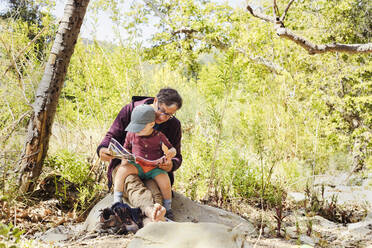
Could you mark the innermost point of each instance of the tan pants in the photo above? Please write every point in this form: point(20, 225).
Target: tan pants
point(140, 194)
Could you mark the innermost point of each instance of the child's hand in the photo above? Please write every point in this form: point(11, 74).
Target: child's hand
point(171, 153)
point(167, 165)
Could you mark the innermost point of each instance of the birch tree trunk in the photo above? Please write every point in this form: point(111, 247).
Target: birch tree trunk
point(47, 95)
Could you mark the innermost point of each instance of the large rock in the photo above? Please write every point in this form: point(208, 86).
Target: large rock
point(350, 190)
point(362, 228)
point(185, 210)
point(186, 235)
point(92, 220)
point(297, 197)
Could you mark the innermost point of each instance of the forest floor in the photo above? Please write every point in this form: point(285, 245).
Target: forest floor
point(343, 219)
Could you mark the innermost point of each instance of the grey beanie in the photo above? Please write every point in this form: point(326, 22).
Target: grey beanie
point(141, 116)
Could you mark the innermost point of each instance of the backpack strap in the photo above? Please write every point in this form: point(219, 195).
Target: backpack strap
point(139, 98)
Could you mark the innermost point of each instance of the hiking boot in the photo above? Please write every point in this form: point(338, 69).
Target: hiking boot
point(169, 214)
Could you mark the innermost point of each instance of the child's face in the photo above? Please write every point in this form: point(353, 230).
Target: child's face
point(147, 130)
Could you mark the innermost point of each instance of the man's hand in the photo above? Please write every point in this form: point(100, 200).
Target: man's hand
point(167, 165)
point(105, 154)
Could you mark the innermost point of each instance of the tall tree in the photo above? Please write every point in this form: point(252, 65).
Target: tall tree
point(47, 95)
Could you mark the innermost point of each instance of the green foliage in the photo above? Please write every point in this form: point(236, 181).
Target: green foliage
point(24, 10)
point(352, 19)
point(22, 60)
point(9, 235)
point(186, 30)
point(71, 166)
point(247, 180)
point(98, 89)
point(33, 19)
point(77, 185)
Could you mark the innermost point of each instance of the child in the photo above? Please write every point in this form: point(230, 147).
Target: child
point(144, 141)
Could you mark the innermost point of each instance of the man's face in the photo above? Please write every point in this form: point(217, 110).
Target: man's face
point(163, 112)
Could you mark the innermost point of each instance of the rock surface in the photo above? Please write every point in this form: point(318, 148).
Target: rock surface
point(185, 210)
point(185, 235)
point(91, 222)
point(349, 189)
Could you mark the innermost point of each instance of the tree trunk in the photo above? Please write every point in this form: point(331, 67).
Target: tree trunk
point(47, 95)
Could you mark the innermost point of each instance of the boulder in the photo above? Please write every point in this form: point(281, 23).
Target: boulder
point(92, 221)
point(362, 228)
point(58, 235)
point(185, 235)
point(308, 240)
point(297, 197)
point(185, 210)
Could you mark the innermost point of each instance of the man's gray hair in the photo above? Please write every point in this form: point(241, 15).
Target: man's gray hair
point(169, 96)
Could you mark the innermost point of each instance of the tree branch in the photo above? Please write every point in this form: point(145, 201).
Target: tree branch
point(282, 18)
point(309, 46)
point(260, 15)
point(186, 31)
point(276, 11)
point(196, 34)
point(316, 49)
point(262, 61)
point(155, 8)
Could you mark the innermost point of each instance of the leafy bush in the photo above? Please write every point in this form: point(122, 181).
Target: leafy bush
point(9, 236)
point(76, 186)
point(70, 166)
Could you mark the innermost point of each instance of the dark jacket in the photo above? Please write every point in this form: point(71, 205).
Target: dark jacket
point(171, 129)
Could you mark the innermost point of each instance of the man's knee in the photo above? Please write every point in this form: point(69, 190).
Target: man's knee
point(137, 190)
point(133, 182)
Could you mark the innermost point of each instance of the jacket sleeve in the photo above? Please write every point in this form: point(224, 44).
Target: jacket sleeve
point(176, 142)
point(117, 129)
point(165, 140)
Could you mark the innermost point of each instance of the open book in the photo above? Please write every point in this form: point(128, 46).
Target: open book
point(118, 151)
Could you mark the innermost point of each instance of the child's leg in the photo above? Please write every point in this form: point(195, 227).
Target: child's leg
point(164, 184)
point(124, 169)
